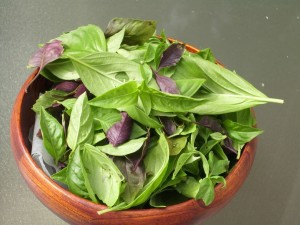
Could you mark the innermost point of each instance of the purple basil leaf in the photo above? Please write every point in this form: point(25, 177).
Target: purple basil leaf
point(120, 131)
point(212, 124)
point(79, 90)
point(48, 53)
point(67, 86)
point(166, 84)
point(171, 55)
point(169, 125)
point(228, 145)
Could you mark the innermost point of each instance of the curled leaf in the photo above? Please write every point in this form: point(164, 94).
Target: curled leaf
point(46, 54)
point(80, 90)
point(120, 131)
point(171, 55)
point(67, 86)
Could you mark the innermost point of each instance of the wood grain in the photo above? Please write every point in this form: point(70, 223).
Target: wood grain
point(76, 210)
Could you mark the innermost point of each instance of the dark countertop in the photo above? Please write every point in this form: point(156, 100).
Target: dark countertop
point(259, 40)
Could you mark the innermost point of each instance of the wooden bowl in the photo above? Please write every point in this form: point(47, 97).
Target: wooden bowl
point(76, 210)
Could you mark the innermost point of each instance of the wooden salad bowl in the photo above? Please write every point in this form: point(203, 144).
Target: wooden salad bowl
point(76, 210)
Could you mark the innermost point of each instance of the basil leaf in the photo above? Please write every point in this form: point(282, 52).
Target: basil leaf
point(137, 131)
point(217, 166)
point(176, 144)
point(47, 99)
point(120, 131)
point(207, 55)
point(189, 187)
point(49, 52)
point(165, 102)
point(206, 191)
point(240, 132)
point(61, 176)
point(81, 127)
point(75, 175)
point(87, 38)
point(139, 115)
point(124, 95)
point(135, 178)
point(103, 175)
point(53, 136)
point(99, 136)
point(114, 41)
point(126, 148)
point(166, 84)
point(105, 118)
point(188, 87)
point(98, 71)
point(171, 55)
point(136, 31)
point(63, 69)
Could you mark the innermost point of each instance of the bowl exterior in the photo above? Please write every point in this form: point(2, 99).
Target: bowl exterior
point(76, 210)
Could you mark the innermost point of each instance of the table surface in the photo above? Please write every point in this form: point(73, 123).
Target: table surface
point(258, 39)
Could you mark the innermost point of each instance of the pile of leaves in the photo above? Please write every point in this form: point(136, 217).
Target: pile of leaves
point(135, 120)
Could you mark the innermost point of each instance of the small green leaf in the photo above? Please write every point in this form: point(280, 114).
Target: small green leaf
point(121, 96)
point(61, 176)
point(114, 41)
point(239, 132)
point(176, 144)
point(53, 136)
point(103, 175)
point(81, 126)
point(47, 99)
point(206, 191)
point(127, 148)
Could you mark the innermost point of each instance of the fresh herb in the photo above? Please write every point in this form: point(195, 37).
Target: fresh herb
point(135, 117)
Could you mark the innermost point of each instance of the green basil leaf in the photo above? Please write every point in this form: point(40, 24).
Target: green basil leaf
point(205, 164)
point(98, 70)
point(189, 187)
point(121, 96)
point(176, 144)
point(240, 132)
point(181, 161)
point(105, 178)
point(188, 87)
point(99, 136)
point(206, 191)
point(137, 131)
point(217, 166)
point(81, 127)
point(88, 38)
point(114, 41)
point(127, 148)
point(62, 69)
point(105, 118)
point(136, 31)
point(53, 136)
point(139, 115)
point(75, 175)
point(61, 176)
point(207, 55)
point(47, 99)
point(165, 102)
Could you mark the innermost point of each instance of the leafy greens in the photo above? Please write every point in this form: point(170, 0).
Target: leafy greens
point(133, 117)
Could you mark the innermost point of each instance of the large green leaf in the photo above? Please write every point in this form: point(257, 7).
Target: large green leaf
point(53, 136)
point(98, 70)
point(80, 130)
point(105, 178)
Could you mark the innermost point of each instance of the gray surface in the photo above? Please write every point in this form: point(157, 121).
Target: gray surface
point(259, 40)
